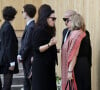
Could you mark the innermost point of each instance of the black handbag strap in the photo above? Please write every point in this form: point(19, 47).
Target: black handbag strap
point(70, 85)
point(66, 85)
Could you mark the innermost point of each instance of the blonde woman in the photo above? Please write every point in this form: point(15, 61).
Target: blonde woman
point(76, 56)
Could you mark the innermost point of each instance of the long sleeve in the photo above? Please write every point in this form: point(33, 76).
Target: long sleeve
point(26, 46)
point(40, 37)
point(10, 44)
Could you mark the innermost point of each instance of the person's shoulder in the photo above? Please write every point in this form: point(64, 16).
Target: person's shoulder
point(6, 26)
point(38, 34)
point(37, 30)
point(86, 39)
point(65, 30)
point(32, 24)
point(87, 33)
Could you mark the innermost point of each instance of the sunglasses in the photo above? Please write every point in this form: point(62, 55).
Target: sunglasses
point(22, 11)
point(66, 19)
point(53, 18)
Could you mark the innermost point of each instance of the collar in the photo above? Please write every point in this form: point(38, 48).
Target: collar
point(28, 22)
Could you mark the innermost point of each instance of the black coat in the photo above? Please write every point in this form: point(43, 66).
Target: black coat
point(86, 41)
point(8, 48)
point(64, 34)
point(84, 62)
point(26, 51)
point(43, 67)
point(83, 65)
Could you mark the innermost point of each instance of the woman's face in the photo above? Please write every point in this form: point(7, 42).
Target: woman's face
point(69, 23)
point(51, 20)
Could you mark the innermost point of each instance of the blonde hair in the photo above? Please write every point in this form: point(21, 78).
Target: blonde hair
point(77, 22)
point(71, 12)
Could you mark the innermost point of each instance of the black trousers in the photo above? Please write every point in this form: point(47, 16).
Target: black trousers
point(27, 83)
point(83, 74)
point(7, 82)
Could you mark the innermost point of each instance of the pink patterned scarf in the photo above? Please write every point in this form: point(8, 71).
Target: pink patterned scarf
point(69, 51)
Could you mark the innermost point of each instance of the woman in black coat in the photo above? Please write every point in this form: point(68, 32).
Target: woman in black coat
point(8, 48)
point(45, 52)
point(76, 55)
point(83, 66)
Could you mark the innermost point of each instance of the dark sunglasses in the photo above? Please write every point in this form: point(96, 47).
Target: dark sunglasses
point(22, 11)
point(53, 18)
point(66, 19)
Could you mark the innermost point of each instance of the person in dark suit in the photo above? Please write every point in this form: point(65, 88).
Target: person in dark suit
point(25, 53)
point(8, 48)
point(44, 50)
point(66, 31)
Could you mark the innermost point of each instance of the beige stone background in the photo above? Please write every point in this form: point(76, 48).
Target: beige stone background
point(89, 9)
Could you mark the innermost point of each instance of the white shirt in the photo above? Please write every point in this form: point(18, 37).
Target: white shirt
point(66, 36)
point(28, 22)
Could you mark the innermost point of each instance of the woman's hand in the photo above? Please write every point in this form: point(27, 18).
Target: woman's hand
point(69, 76)
point(32, 59)
point(30, 75)
point(11, 68)
point(45, 47)
point(53, 41)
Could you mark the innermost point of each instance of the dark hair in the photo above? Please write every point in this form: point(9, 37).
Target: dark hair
point(44, 12)
point(30, 10)
point(9, 13)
